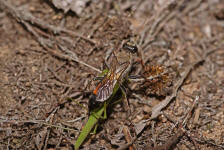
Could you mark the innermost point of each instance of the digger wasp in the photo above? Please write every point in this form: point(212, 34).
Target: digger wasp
point(115, 76)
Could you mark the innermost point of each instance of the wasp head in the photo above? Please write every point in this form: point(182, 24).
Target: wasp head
point(130, 46)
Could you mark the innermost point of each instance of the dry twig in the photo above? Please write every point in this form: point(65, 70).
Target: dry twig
point(180, 132)
point(128, 137)
point(24, 16)
point(27, 17)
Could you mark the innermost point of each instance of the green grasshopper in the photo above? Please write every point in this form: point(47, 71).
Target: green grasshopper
point(105, 93)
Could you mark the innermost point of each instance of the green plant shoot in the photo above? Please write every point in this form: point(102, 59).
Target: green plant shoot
point(94, 118)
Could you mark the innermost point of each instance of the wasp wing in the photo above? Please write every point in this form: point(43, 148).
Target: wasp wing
point(105, 90)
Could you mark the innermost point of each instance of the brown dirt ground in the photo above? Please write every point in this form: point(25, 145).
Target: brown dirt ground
point(37, 78)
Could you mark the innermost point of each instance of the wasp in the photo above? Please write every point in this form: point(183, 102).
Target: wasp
point(115, 76)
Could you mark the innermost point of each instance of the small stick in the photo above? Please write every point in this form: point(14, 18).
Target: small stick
point(180, 132)
point(24, 16)
point(63, 56)
point(128, 137)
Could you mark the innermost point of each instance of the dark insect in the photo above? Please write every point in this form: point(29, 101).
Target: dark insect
point(118, 67)
point(105, 88)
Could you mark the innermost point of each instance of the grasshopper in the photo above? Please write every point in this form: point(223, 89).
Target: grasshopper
point(106, 90)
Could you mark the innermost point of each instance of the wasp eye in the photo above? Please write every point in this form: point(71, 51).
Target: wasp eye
point(130, 47)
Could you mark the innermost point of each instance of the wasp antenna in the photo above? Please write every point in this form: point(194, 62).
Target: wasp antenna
point(105, 65)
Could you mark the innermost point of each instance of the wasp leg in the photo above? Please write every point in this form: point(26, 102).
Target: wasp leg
point(88, 85)
point(94, 79)
point(105, 65)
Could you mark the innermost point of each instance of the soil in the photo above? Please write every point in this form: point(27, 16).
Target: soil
point(48, 57)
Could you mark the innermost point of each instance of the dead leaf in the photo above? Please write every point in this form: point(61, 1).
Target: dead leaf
point(39, 140)
point(140, 126)
point(76, 6)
